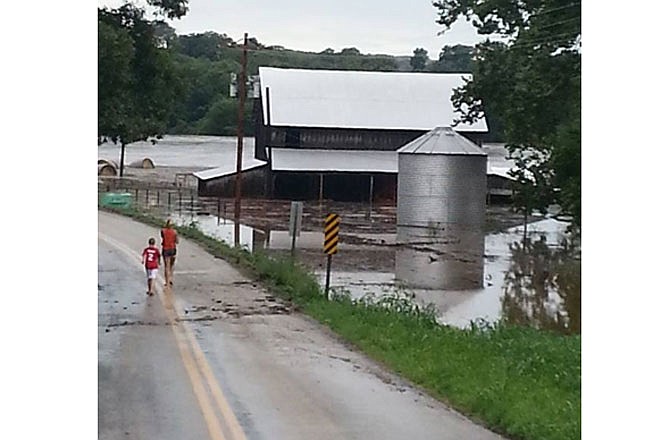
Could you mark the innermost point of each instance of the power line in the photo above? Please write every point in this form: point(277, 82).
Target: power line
point(560, 8)
point(549, 39)
point(559, 23)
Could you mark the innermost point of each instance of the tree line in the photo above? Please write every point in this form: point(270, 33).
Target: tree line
point(204, 62)
point(152, 81)
point(192, 96)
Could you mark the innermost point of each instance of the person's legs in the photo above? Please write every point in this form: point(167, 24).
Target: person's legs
point(151, 276)
point(169, 256)
point(149, 282)
point(172, 260)
point(167, 271)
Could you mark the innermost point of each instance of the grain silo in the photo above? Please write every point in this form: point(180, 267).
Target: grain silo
point(441, 212)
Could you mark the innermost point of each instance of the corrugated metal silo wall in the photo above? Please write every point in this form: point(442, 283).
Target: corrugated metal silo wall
point(437, 189)
point(441, 214)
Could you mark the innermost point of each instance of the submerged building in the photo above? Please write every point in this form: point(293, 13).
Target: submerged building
point(334, 134)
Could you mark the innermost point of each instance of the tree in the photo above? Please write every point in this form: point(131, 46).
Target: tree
point(221, 118)
point(454, 59)
point(419, 59)
point(254, 44)
point(115, 52)
point(164, 34)
point(350, 51)
point(170, 8)
point(136, 81)
point(208, 45)
point(532, 83)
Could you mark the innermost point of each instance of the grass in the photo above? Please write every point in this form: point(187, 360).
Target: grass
point(521, 382)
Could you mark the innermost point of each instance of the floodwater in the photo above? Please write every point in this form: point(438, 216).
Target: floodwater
point(539, 286)
point(181, 151)
point(467, 278)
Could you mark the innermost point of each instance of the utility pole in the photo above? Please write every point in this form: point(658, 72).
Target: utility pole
point(242, 92)
point(123, 157)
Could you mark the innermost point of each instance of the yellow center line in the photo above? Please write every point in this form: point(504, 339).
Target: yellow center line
point(229, 417)
point(193, 359)
point(212, 421)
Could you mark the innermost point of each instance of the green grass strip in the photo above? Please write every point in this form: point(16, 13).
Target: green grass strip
point(521, 382)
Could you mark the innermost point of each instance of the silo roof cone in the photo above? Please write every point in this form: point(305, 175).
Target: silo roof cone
point(442, 140)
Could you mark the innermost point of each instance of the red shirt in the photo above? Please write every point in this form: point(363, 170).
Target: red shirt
point(169, 237)
point(150, 255)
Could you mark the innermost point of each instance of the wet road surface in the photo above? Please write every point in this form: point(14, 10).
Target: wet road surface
point(143, 388)
point(218, 357)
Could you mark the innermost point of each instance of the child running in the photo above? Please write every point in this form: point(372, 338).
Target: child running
point(151, 258)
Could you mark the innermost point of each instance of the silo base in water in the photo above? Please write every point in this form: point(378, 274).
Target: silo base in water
point(447, 258)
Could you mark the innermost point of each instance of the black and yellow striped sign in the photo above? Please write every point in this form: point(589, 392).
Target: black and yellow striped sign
point(331, 231)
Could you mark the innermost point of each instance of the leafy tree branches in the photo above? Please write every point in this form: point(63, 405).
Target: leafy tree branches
point(531, 81)
point(137, 85)
point(419, 59)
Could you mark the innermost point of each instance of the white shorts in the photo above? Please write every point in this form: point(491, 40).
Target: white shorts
point(152, 274)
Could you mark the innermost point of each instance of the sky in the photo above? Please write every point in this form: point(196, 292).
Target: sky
point(393, 27)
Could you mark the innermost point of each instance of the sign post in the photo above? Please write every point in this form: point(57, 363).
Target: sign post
point(295, 222)
point(331, 230)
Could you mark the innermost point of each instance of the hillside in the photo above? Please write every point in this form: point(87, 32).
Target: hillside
point(204, 63)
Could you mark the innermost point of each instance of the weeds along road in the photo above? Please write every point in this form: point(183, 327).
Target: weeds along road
point(217, 357)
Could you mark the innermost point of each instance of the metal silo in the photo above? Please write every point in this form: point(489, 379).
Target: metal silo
point(441, 212)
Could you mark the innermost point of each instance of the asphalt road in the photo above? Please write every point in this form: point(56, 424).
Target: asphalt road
point(217, 357)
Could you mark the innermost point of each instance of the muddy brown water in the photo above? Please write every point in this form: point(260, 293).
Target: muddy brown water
point(538, 286)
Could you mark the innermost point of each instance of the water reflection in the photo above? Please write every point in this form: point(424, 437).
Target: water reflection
point(538, 287)
point(542, 287)
point(445, 258)
point(507, 285)
point(223, 229)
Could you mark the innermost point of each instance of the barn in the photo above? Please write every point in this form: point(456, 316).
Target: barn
point(334, 134)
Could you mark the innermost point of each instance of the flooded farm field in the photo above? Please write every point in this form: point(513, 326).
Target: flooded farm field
point(539, 285)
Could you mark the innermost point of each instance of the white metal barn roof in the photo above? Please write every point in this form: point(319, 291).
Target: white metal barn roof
point(358, 99)
point(288, 159)
point(228, 169)
point(304, 160)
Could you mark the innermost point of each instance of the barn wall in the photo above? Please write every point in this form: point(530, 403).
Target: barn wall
point(495, 182)
point(345, 187)
point(337, 138)
point(344, 139)
point(253, 182)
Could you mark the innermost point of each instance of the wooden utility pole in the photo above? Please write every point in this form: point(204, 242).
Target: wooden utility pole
point(242, 92)
point(123, 158)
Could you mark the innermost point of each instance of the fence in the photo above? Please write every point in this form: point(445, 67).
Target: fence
point(168, 199)
point(165, 200)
